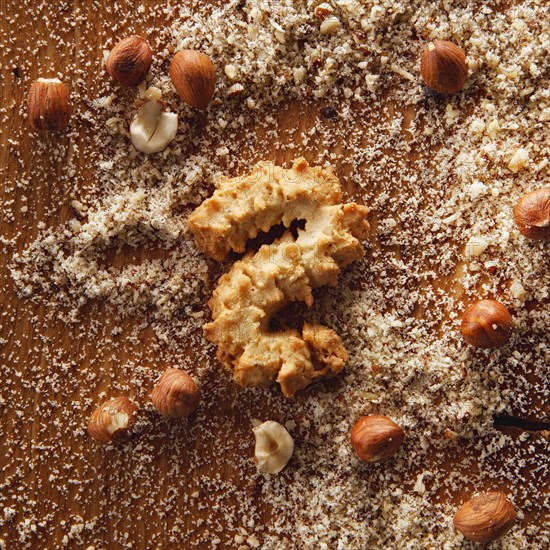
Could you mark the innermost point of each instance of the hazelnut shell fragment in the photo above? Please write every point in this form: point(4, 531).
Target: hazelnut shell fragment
point(175, 395)
point(487, 324)
point(443, 67)
point(376, 438)
point(485, 517)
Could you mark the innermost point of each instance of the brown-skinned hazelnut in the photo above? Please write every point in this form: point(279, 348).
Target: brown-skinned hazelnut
point(485, 517)
point(175, 395)
point(194, 77)
point(376, 438)
point(129, 61)
point(113, 420)
point(443, 67)
point(532, 214)
point(487, 324)
point(48, 105)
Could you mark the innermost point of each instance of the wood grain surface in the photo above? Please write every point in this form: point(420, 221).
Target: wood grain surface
point(77, 481)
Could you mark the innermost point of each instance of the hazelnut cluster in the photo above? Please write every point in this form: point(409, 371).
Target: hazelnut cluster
point(153, 128)
point(484, 518)
point(486, 323)
point(176, 395)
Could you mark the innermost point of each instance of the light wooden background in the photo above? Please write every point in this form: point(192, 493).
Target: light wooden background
point(115, 488)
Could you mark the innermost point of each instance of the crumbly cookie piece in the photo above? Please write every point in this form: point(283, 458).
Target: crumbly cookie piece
point(260, 284)
point(242, 207)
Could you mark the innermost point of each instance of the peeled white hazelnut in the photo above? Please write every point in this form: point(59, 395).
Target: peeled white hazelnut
point(274, 447)
point(153, 129)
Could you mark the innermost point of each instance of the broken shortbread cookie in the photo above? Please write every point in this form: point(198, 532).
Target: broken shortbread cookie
point(262, 283)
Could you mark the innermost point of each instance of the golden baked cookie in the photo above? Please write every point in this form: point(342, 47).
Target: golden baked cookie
point(263, 282)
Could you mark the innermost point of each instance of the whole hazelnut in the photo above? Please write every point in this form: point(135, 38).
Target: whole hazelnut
point(487, 324)
point(194, 77)
point(153, 128)
point(113, 420)
point(443, 67)
point(129, 61)
point(274, 447)
point(376, 438)
point(48, 105)
point(532, 214)
point(175, 395)
point(485, 517)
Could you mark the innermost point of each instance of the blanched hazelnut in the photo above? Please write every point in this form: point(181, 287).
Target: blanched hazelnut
point(274, 447)
point(153, 128)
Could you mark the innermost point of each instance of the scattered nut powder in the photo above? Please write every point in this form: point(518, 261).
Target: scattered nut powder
point(112, 289)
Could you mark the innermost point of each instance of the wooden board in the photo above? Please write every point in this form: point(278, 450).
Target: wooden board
point(124, 495)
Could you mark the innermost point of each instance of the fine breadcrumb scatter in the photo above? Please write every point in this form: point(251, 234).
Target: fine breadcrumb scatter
point(104, 287)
